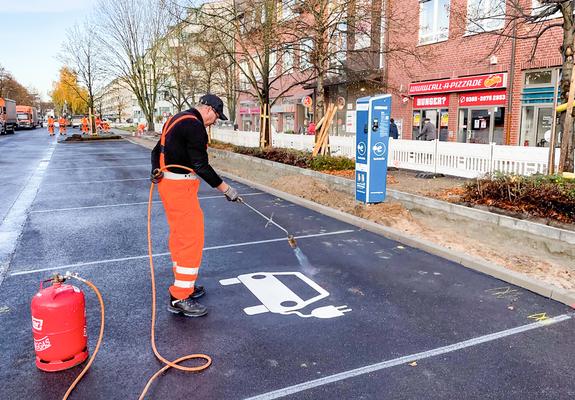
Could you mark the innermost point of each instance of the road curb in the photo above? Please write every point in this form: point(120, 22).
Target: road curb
point(477, 264)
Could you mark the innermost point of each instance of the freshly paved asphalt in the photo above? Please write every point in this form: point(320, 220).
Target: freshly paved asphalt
point(402, 300)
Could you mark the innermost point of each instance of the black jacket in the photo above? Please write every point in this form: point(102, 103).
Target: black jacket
point(187, 145)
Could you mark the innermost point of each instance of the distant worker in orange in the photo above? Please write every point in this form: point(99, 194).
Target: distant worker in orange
point(98, 124)
point(62, 125)
point(106, 126)
point(51, 125)
point(85, 125)
point(141, 128)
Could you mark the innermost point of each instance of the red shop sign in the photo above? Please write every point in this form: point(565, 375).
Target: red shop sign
point(478, 82)
point(431, 101)
point(483, 98)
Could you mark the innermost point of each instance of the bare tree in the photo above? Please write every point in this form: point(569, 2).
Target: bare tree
point(82, 54)
point(255, 38)
point(518, 20)
point(132, 31)
point(180, 82)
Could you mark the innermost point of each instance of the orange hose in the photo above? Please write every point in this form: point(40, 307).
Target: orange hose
point(95, 289)
point(169, 364)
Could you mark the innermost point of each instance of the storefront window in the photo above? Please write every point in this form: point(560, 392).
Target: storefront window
point(537, 96)
point(481, 125)
point(439, 118)
point(498, 125)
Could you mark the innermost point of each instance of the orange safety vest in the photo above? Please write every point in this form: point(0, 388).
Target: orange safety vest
point(50, 121)
point(165, 130)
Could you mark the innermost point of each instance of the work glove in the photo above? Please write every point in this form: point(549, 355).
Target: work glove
point(156, 176)
point(232, 194)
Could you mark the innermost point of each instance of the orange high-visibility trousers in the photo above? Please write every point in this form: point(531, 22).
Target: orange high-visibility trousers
point(186, 241)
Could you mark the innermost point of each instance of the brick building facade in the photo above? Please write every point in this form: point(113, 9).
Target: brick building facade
point(470, 92)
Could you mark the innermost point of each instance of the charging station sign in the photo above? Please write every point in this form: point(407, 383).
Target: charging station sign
point(372, 141)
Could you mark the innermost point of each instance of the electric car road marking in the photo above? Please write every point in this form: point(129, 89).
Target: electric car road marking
point(277, 298)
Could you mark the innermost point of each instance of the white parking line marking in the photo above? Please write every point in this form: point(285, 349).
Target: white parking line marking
point(225, 246)
point(101, 167)
point(90, 182)
point(276, 394)
point(80, 159)
point(156, 201)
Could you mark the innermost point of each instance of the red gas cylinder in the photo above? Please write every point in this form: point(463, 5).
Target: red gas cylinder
point(59, 327)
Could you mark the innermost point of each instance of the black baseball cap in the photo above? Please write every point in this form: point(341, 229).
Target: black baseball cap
point(216, 103)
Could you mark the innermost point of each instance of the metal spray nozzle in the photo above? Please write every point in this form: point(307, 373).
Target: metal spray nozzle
point(292, 242)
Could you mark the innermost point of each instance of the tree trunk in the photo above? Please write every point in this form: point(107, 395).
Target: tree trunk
point(566, 157)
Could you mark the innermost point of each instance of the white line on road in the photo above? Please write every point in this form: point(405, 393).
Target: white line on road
point(90, 182)
point(225, 246)
point(101, 167)
point(133, 204)
point(12, 225)
point(83, 159)
point(276, 394)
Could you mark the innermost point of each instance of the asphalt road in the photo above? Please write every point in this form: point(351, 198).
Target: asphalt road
point(414, 326)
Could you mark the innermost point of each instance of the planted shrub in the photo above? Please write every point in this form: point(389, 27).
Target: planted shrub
point(323, 163)
point(538, 195)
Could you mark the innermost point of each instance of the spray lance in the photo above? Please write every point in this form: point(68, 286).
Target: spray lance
point(290, 237)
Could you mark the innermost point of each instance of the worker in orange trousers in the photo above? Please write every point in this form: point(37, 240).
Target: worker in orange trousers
point(51, 125)
point(62, 125)
point(184, 142)
point(85, 125)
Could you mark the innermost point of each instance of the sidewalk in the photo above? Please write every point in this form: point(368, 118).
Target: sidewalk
point(534, 258)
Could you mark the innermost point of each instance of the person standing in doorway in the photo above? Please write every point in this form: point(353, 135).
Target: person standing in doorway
point(428, 131)
point(184, 142)
point(393, 132)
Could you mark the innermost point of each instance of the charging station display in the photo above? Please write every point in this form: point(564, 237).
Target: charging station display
point(371, 152)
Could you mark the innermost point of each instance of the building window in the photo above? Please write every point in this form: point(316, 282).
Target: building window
point(485, 15)
point(542, 77)
point(244, 81)
point(433, 21)
point(288, 60)
point(305, 51)
point(287, 9)
point(363, 25)
point(543, 10)
point(273, 63)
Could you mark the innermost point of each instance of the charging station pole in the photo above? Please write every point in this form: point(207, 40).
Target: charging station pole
point(371, 151)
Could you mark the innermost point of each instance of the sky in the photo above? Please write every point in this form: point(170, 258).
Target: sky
point(32, 35)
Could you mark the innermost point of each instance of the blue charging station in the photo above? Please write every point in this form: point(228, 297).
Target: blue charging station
point(372, 140)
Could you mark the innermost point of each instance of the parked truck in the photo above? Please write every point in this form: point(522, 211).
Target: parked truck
point(8, 118)
point(27, 117)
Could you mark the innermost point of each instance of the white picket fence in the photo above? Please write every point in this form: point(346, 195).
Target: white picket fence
point(465, 160)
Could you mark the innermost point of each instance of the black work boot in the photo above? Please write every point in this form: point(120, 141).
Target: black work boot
point(189, 307)
point(199, 291)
